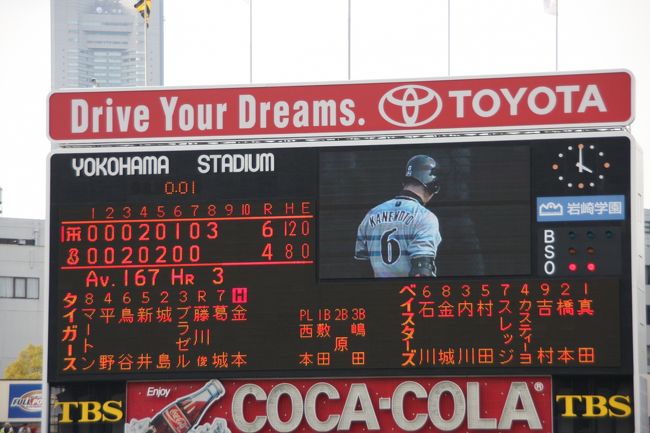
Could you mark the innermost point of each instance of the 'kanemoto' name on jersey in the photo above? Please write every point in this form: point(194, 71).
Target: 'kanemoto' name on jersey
point(395, 232)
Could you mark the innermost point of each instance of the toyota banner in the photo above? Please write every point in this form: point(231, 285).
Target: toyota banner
point(339, 109)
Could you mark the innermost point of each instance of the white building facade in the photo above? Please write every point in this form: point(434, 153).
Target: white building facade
point(646, 220)
point(22, 300)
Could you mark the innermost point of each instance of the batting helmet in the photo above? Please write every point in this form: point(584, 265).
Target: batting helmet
point(423, 169)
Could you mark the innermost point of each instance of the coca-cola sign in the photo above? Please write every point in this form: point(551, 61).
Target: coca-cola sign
point(346, 405)
point(351, 108)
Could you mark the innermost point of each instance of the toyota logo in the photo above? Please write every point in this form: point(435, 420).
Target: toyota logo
point(410, 105)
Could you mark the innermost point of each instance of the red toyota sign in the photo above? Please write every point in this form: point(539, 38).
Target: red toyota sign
point(593, 99)
point(462, 405)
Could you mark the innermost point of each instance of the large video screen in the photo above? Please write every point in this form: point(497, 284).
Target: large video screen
point(481, 211)
point(353, 258)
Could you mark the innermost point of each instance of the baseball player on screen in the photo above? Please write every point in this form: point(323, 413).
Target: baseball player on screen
point(400, 237)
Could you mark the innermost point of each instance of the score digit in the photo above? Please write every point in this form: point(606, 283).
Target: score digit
point(267, 230)
point(182, 187)
point(218, 274)
point(268, 252)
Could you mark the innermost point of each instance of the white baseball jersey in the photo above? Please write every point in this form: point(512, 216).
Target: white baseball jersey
point(395, 232)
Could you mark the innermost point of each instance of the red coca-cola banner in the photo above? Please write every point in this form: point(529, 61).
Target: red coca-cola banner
point(481, 404)
point(397, 107)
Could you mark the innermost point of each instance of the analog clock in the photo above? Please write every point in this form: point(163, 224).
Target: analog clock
point(581, 166)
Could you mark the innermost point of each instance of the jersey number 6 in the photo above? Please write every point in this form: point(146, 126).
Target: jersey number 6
point(390, 250)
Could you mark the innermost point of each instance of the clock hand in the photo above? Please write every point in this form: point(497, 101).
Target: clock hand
point(579, 164)
point(582, 167)
point(580, 146)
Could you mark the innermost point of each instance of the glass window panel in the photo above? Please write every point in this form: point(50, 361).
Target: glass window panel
point(401, 40)
point(6, 287)
point(32, 288)
point(299, 41)
point(20, 287)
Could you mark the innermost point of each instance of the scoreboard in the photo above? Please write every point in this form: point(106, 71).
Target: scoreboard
point(181, 262)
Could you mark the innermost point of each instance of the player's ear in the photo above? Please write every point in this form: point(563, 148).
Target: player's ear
point(434, 188)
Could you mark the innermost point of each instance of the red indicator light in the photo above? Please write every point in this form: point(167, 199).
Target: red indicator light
point(591, 267)
point(573, 267)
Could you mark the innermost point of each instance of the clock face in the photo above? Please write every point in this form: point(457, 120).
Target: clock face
point(581, 166)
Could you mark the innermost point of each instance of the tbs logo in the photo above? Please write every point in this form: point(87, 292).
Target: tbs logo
point(410, 105)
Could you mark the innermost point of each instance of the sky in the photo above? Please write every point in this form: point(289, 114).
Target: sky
point(210, 43)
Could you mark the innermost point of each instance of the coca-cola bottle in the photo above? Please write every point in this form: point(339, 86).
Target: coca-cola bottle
point(186, 412)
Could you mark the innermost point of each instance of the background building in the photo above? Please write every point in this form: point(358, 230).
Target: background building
point(102, 43)
point(22, 271)
point(646, 227)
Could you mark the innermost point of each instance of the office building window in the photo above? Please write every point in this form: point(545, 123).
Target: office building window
point(6, 287)
point(11, 241)
point(32, 288)
point(19, 287)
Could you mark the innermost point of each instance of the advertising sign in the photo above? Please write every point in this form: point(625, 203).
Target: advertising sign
point(179, 262)
point(351, 108)
point(87, 406)
point(603, 403)
point(462, 405)
point(25, 401)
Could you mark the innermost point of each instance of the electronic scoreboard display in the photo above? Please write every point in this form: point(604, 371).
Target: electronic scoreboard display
point(283, 259)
